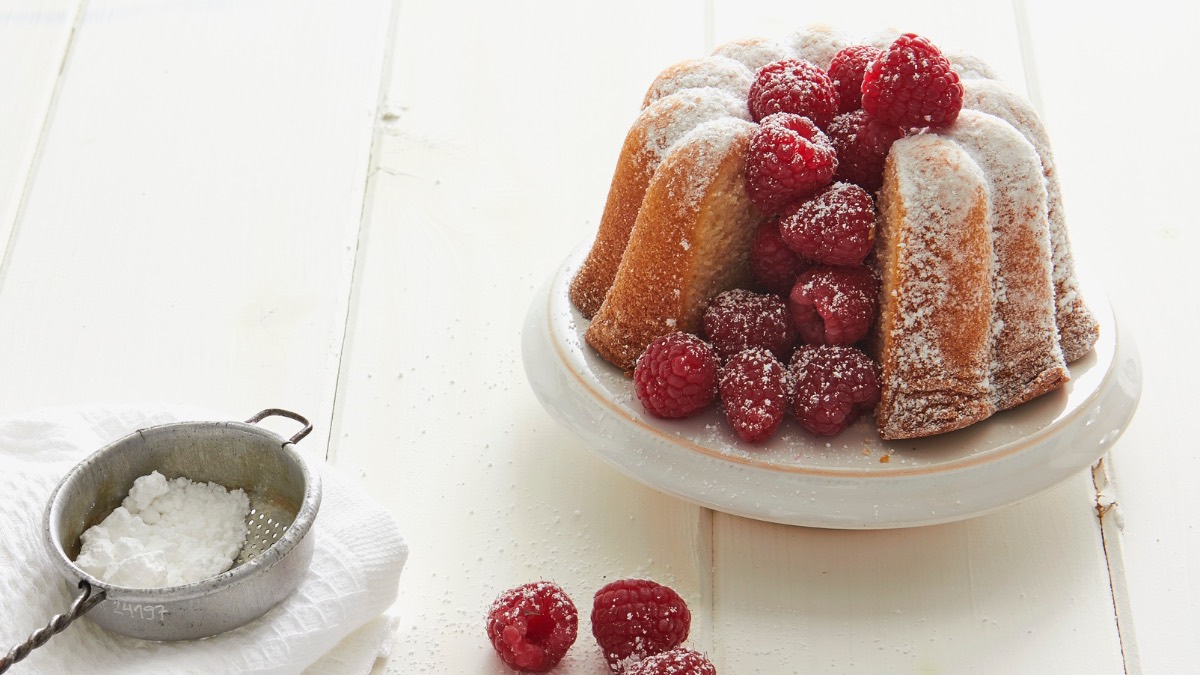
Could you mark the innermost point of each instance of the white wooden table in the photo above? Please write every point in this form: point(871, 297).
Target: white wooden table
point(345, 209)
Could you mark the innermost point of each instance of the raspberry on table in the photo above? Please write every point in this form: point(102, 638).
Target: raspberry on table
point(834, 385)
point(633, 619)
point(793, 86)
point(912, 85)
point(834, 305)
point(740, 319)
point(532, 626)
point(678, 661)
point(862, 145)
point(836, 226)
point(676, 376)
point(773, 265)
point(755, 393)
point(789, 158)
point(846, 72)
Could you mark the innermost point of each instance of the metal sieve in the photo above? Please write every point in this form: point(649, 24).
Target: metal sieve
point(284, 492)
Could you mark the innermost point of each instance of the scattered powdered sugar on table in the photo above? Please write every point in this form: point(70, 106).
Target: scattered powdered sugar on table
point(167, 533)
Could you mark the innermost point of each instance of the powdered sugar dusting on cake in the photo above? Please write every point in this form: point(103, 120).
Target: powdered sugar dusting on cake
point(1077, 327)
point(710, 142)
point(818, 44)
point(754, 53)
point(882, 39)
point(1025, 348)
point(720, 72)
point(934, 255)
point(669, 119)
point(969, 66)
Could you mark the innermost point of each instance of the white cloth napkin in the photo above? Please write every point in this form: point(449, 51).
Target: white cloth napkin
point(334, 622)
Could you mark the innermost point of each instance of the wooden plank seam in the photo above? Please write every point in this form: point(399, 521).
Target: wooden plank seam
point(1112, 522)
point(377, 132)
point(43, 133)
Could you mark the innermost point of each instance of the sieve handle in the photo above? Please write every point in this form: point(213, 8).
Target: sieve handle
point(279, 412)
point(83, 602)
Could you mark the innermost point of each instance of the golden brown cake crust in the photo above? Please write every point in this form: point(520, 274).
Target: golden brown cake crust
point(934, 255)
point(1027, 360)
point(691, 241)
point(1077, 327)
point(649, 140)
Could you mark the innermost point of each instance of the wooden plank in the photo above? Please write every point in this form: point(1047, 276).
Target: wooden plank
point(35, 38)
point(190, 231)
point(492, 166)
point(1021, 590)
point(1124, 201)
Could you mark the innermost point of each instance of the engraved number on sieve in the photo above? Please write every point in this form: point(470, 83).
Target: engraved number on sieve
point(140, 611)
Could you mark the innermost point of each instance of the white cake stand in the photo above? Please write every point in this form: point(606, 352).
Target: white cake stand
point(854, 480)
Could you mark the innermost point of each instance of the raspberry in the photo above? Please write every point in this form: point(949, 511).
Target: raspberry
point(833, 386)
point(862, 145)
point(738, 319)
point(532, 626)
point(636, 618)
point(794, 86)
point(678, 661)
point(846, 72)
point(835, 227)
point(676, 376)
point(755, 393)
point(789, 158)
point(912, 85)
point(774, 265)
point(834, 305)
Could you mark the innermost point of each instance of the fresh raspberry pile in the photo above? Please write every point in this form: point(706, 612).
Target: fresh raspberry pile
point(846, 72)
point(532, 626)
point(678, 661)
point(793, 86)
point(789, 158)
point(739, 319)
point(912, 85)
point(834, 386)
point(638, 624)
point(755, 391)
point(835, 305)
point(636, 618)
point(676, 376)
point(862, 145)
point(812, 167)
point(774, 265)
point(835, 227)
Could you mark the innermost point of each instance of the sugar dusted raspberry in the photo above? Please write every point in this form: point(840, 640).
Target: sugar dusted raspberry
point(532, 626)
point(676, 376)
point(836, 226)
point(636, 618)
point(846, 72)
point(912, 85)
point(834, 305)
point(794, 86)
point(678, 661)
point(834, 385)
point(740, 319)
point(862, 145)
point(789, 158)
point(774, 265)
point(754, 393)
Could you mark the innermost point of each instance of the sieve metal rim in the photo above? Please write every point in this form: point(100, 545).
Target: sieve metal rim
point(291, 537)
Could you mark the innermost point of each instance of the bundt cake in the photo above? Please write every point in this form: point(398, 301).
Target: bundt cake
point(979, 309)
